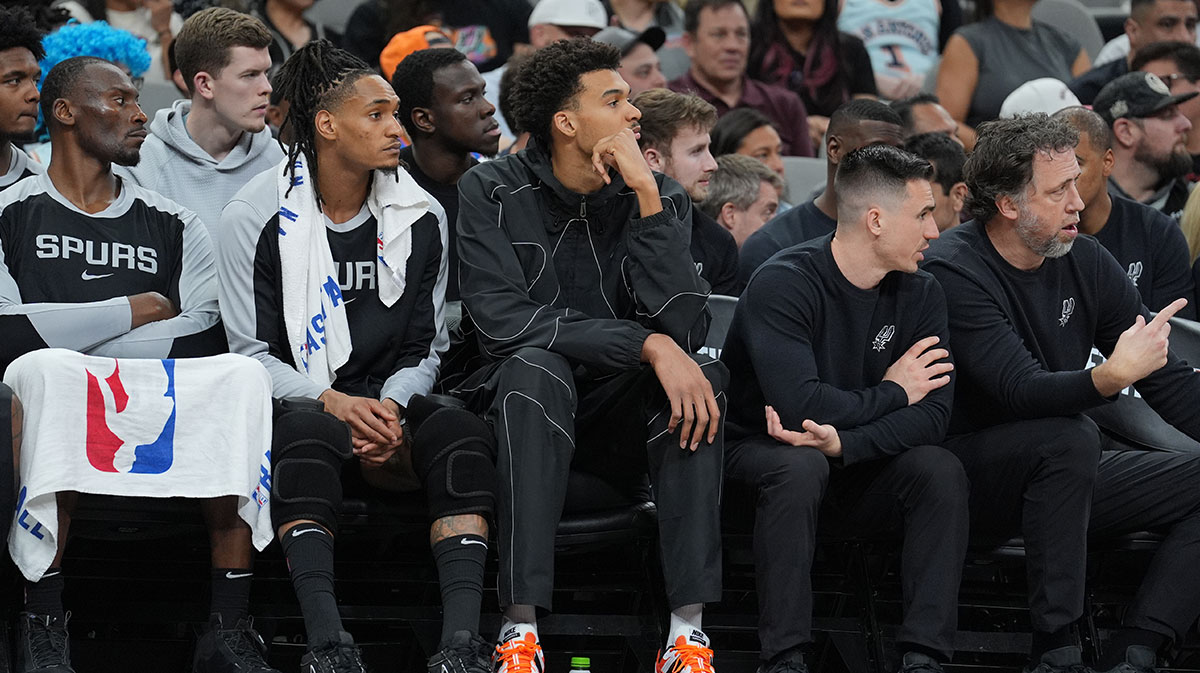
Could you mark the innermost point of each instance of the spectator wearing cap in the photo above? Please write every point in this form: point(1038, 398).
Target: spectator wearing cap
point(416, 39)
point(550, 21)
point(1149, 21)
point(1045, 94)
point(639, 56)
point(1148, 245)
point(743, 194)
point(674, 141)
point(717, 40)
point(638, 15)
point(946, 156)
point(1178, 65)
point(1149, 141)
point(923, 113)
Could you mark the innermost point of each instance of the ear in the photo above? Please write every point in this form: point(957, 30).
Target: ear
point(1131, 29)
point(325, 125)
point(564, 123)
point(654, 159)
point(63, 112)
point(726, 216)
point(1108, 162)
point(1125, 132)
point(833, 149)
point(422, 118)
point(958, 196)
point(202, 84)
point(1007, 207)
point(689, 45)
point(874, 218)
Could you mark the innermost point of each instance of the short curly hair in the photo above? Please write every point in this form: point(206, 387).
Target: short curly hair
point(17, 30)
point(552, 79)
point(413, 80)
point(1002, 161)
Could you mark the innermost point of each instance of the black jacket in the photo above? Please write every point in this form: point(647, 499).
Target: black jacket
point(579, 275)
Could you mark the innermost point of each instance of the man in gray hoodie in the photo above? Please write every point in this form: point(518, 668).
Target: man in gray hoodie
point(202, 151)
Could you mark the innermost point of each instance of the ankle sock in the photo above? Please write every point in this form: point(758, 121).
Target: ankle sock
point(460, 562)
point(44, 597)
point(230, 594)
point(309, 551)
point(686, 622)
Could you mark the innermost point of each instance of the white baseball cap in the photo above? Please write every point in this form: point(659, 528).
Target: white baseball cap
point(574, 13)
point(1046, 94)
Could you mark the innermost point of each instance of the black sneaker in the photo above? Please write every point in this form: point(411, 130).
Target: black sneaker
point(1138, 659)
point(790, 661)
point(915, 662)
point(42, 644)
point(466, 653)
point(236, 650)
point(340, 657)
point(1067, 659)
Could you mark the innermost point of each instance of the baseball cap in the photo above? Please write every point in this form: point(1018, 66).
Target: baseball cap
point(1044, 94)
point(1135, 94)
point(575, 13)
point(625, 40)
point(403, 44)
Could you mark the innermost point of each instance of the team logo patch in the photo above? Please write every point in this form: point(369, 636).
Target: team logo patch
point(1068, 307)
point(130, 433)
point(884, 336)
point(1135, 272)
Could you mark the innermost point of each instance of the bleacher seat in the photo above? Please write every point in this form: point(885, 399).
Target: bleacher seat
point(333, 13)
point(155, 96)
point(1074, 19)
point(803, 175)
point(674, 62)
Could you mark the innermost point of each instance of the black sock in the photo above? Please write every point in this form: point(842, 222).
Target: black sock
point(460, 562)
point(44, 597)
point(230, 594)
point(1044, 641)
point(309, 551)
point(1114, 653)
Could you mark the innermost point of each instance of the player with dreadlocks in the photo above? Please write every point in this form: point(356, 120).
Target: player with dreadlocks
point(20, 51)
point(333, 271)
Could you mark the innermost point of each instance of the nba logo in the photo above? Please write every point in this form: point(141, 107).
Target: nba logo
point(132, 433)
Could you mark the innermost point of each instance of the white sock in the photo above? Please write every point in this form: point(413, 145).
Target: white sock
point(522, 618)
point(686, 622)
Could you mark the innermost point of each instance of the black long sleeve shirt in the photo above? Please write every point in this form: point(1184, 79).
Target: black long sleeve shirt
point(1023, 338)
point(808, 342)
point(1153, 251)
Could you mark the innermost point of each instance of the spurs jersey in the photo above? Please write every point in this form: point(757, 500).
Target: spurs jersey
point(66, 275)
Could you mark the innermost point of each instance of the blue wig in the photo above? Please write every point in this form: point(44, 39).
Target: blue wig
point(93, 39)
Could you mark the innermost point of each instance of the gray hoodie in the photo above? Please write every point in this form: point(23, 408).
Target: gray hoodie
point(173, 165)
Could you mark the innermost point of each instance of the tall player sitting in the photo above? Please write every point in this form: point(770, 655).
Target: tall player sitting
point(20, 51)
point(94, 264)
point(333, 275)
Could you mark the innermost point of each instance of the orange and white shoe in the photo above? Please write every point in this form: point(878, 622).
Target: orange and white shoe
point(687, 655)
point(517, 653)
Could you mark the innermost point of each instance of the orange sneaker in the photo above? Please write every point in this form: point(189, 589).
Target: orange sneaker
point(518, 655)
point(687, 655)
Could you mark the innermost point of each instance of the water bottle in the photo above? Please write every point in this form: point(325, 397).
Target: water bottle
point(580, 665)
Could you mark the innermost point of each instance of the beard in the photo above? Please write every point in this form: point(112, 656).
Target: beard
point(1177, 163)
point(1029, 227)
point(127, 157)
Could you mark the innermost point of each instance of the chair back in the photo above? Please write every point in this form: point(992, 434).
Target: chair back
point(1071, 17)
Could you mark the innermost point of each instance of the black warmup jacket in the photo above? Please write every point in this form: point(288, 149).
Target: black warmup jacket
point(1023, 339)
point(584, 276)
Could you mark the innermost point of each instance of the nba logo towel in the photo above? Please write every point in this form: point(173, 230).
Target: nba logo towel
point(194, 428)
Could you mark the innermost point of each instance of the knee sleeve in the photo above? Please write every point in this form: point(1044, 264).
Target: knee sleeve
point(307, 451)
point(454, 454)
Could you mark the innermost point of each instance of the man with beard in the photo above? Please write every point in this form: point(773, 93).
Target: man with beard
point(447, 117)
point(20, 51)
point(1028, 298)
point(1149, 140)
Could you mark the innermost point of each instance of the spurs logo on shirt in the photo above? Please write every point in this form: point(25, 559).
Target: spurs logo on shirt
point(1068, 307)
point(356, 275)
point(108, 254)
point(884, 336)
point(1135, 272)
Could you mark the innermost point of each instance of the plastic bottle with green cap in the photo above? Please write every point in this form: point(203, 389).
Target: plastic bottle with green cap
point(581, 665)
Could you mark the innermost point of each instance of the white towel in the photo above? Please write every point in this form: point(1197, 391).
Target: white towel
point(313, 312)
point(193, 428)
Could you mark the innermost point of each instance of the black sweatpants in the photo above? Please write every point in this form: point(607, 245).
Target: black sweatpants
point(1059, 482)
point(919, 496)
point(547, 420)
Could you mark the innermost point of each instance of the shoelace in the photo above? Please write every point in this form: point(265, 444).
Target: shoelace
point(517, 655)
point(244, 646)
point(48, 644)
point(347, 659)
point(698, 658)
